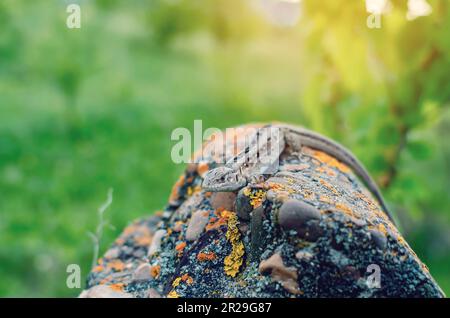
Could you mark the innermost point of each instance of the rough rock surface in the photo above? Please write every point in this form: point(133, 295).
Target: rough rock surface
point(311, 230)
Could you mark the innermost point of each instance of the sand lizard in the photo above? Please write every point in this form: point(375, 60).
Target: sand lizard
point(262, 155)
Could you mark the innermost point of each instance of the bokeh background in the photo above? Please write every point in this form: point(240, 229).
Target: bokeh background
point(85, 110)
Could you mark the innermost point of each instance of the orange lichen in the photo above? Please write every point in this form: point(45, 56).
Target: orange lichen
point(208, 256)
point(98, 268)
point(119, 241)
point(116, 265)
point(143, 240)
point(327, 159)
point(155, 270)
point(256, 197)
point(343, 208)
point(329, 186)
point(275, 186)
point(202, 168)
point(188, 279)
point(129, 229)
point(174, 193)
point(180, 247)
point(327, 170)
point(325, 199)
point(215, 223)
point(117, 287)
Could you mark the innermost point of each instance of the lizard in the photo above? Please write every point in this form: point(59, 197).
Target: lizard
point(249, 165)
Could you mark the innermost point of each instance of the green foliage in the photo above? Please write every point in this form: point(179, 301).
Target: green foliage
point(82, 111)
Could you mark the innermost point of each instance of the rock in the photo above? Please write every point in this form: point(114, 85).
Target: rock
point(225, 200)
point(257, 239)
point(139, 253)
point(143, 272)
point(350, 272)
point(104, 291)
point(277, 196)
point(243, 206)
point(156, 242)
point(196, 225)
point(271, 195)
point(153, 293)
point(378, 238)
point(328, 258)
point(286, 276)
point(310, 231)
point(294, 214)
point(113, 253)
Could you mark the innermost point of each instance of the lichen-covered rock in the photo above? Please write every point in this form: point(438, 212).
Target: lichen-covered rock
point(311, 230)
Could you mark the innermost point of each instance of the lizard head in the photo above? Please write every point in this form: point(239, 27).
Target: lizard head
point(223, 179)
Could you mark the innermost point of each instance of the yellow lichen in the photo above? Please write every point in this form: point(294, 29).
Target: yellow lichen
point(173, 294)
point(176, 282)
point(256, 198)
point(233, 262)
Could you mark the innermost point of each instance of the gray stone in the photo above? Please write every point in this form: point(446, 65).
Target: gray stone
point(196, 225)
point(156, 242)
point(153, 293)
point(225, 200)
point(103, 291)
point(243, 206)
point(142, 272)
point(112, 253)
point(294, 214)
point(378, 238)
point(257, 235)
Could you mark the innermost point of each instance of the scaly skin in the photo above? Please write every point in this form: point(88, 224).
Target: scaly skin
point(236, 175)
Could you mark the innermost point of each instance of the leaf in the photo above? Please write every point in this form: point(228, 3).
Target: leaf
point(420, 150)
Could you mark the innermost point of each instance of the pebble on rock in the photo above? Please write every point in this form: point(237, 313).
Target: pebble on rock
point(294, 214)
point(112, 253)
point(153, 293)
point(142, 272)
point(243, 206)
point(223, 200)
point(196, 225)
point(286, 276)
point(156, 242)
point(103, 291)
point(378, 238)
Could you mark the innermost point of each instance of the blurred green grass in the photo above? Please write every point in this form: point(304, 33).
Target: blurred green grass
point(85, 110)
